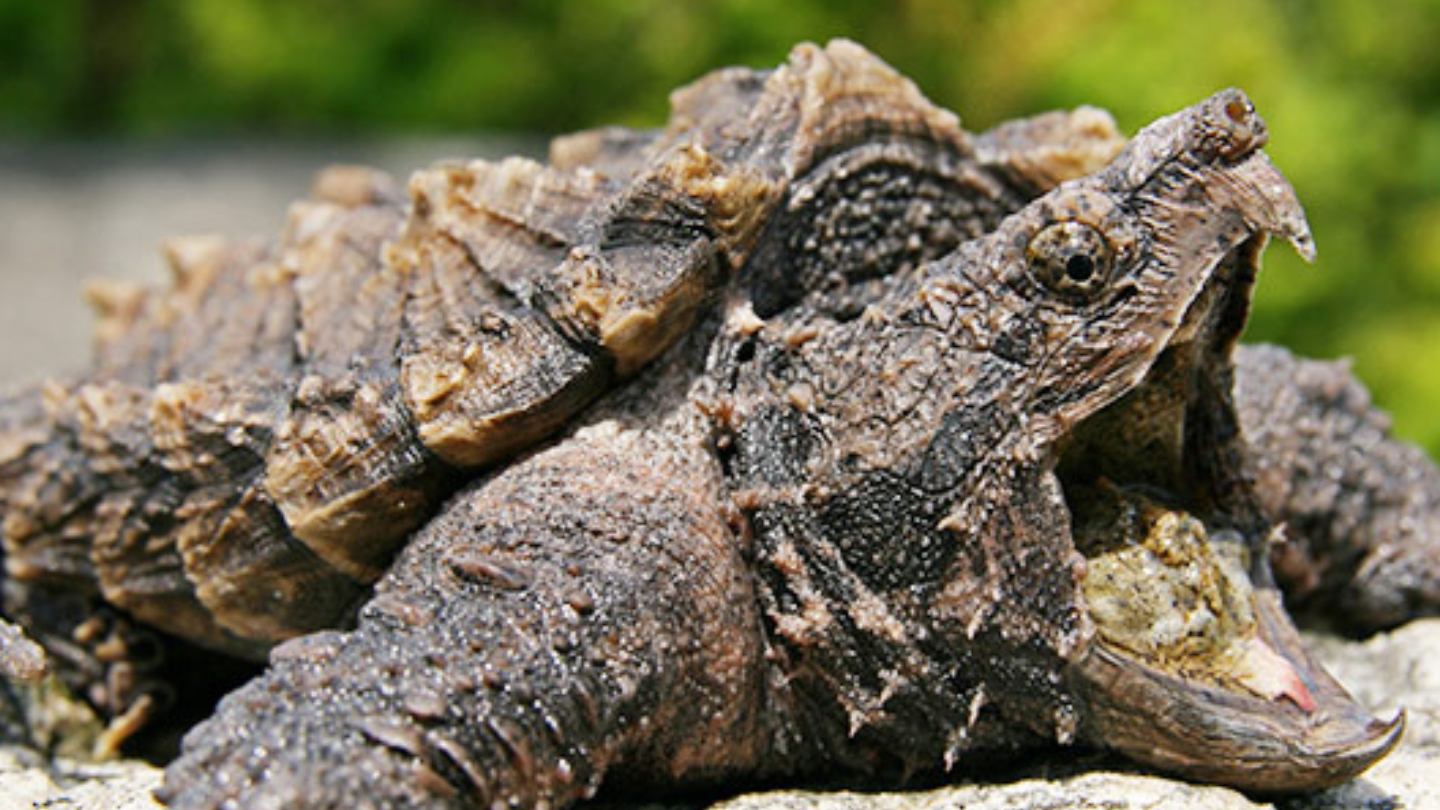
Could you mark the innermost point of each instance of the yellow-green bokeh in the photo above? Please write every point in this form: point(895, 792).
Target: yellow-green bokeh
point(1350, 89)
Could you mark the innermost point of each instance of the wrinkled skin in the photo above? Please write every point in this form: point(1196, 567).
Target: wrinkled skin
point(773, 435)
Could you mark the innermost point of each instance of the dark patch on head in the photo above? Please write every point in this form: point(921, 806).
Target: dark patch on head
point(885, 531)
point(965, 436)
point(774, 446)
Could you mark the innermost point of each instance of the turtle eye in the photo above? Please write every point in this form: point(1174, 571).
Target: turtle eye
point(1071, 259)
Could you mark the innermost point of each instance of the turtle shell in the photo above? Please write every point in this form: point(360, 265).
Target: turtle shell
point(255, 442)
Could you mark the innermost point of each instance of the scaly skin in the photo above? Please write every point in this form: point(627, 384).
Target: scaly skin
point(893, 588)
point(1361, 510)
point(518, 651)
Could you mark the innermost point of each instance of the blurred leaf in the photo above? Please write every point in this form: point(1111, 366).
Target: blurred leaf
point(1351, 91)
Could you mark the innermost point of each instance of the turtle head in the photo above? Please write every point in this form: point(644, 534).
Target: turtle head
point(1138, 280)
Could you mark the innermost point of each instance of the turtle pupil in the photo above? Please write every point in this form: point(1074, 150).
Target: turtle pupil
point(1071, 259)
point(1079, 268)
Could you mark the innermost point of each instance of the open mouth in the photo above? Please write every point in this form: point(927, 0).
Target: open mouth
point(1196, 668)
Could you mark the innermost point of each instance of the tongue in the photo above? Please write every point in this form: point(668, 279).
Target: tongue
point(1268, 674)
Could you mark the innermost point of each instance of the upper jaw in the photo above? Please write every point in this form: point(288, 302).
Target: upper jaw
point(1223, 134)
point(1204, 163)
point(1268, 717)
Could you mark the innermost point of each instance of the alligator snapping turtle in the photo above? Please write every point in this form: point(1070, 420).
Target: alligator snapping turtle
point(808, 436)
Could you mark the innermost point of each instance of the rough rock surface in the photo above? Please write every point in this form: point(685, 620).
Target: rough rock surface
point(26, 783)
point(1398, 669)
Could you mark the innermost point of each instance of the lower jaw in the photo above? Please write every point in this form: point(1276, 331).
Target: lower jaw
point(1210, 734)
point(1194, 667)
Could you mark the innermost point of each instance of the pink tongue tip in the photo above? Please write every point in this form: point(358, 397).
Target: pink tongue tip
point(1269, 674)
point(1299, 694)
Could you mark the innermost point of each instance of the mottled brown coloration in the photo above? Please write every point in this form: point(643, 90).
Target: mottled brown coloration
point(748, 448)
point(1362, 530)
point(256, 441)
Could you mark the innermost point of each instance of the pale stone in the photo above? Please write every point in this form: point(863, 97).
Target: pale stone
point(1398, 669)
point(27, 783)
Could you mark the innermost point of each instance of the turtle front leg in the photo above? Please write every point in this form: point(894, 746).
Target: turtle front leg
point(1361, 509)
point(583, 616)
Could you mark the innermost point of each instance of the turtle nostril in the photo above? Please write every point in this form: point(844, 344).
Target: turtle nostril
point(1230, 127)
point(1238, 111)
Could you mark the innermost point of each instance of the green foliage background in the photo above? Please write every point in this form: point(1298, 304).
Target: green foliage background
point(1350, 89)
